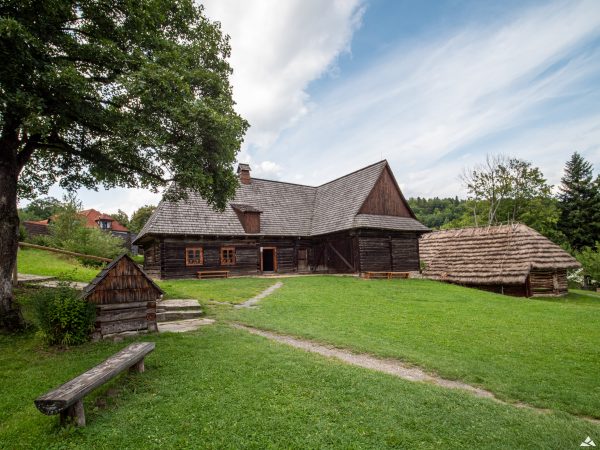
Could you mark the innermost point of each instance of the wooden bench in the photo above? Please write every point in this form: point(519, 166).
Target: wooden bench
point(213, 274)
point(68, 398)
point(388, 275)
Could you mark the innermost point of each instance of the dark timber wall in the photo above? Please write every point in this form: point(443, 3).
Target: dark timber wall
point(396, 252)
point(349, 252)
point(385, 198)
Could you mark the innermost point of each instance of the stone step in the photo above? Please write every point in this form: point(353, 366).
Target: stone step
point(178, 305)
point(169, 316)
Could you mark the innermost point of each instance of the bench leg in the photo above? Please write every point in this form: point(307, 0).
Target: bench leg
point(138, 367)
point(73, 414)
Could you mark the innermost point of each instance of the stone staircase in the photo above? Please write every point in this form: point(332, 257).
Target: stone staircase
point(176, 310)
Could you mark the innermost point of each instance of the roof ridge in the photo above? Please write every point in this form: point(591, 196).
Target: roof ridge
point(356, 171)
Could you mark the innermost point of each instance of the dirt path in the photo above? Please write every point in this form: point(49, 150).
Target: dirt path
point(389, 366)
point(254, 300)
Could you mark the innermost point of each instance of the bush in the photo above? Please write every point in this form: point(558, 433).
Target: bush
point(62, 316)
point(590, 260)
point(68, 231)
point(22, 233)
point(41, 239)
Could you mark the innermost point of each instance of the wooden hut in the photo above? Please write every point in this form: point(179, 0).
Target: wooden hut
point(508, 259)
point(125, 299)
point(357, 223)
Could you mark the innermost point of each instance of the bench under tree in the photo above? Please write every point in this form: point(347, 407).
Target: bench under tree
point(68, 398)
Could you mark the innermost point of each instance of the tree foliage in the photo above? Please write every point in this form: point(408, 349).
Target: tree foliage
point(118, 93)
point(590, 260)
point(121, 217)
point(40, 209)
point(579, 203)
point(140, 217)
point(112, 93)
point(68, 231)
point(437, 212)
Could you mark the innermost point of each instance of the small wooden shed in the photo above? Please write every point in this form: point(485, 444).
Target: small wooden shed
point(508, 259)
point(125, 299)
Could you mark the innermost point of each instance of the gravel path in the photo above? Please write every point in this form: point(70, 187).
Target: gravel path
point(254, 300)
point(389, 366)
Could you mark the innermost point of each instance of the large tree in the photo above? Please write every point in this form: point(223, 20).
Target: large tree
point(579, 203)
point(111, 93)
point(139, 218)
point(507, 189)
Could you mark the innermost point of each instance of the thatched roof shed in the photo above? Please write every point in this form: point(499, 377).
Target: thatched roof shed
point(495, 255)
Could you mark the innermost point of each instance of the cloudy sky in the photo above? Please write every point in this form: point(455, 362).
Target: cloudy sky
point(329, 86)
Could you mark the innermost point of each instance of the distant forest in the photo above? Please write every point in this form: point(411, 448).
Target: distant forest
point(509, 190)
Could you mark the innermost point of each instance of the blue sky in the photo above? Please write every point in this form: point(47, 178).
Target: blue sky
point(432, 86)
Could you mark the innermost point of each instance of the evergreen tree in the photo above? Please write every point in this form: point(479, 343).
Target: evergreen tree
point(579, 204)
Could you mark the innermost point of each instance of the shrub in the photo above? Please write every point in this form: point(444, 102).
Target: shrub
point(590, 260)
point(41, 239)
point(22, 233)
point(68, 231)
point(62, 316)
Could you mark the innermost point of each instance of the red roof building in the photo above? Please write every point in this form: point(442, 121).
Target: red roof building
point(96, 219)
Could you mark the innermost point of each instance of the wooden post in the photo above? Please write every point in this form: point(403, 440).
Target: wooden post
point(73, 414)
point(138, 367)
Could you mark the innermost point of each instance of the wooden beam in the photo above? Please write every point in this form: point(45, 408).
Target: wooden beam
point(64, 252)
point(341, 256)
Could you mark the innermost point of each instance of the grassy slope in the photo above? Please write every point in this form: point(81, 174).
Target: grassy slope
point(234, 290)
point(222, 388)
point(545, 352)
point(40, 262)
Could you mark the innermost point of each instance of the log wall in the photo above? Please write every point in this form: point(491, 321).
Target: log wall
point(125, 300)
point(548, 282)
point(396, 252)
point(349, 252)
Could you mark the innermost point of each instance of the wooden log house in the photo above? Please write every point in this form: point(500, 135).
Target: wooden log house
point(508, 259)
point(357, 223)
point(125, 299)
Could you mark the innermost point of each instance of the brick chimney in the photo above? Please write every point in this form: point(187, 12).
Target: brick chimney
point(244, 173)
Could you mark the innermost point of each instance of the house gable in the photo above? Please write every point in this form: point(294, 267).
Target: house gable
point(385, 198)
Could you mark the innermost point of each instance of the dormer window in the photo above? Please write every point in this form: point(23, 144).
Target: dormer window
point(105, 224)
point(249, 217)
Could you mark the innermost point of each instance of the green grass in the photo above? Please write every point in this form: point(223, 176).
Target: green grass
point(224, 388)
point(40, 262)
point(232, 290)
point(544, 352)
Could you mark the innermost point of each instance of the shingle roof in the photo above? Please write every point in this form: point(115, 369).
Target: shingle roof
point(287, 209)
point(104, 272)
point(490, 255)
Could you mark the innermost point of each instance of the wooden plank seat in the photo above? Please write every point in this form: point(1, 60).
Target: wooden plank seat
point(68, 398)
point(388, 275)
point(213, 274)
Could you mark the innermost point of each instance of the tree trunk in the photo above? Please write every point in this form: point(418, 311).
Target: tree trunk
point(10, 316)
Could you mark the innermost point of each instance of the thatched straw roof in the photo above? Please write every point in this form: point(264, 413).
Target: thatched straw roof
point(501, 254)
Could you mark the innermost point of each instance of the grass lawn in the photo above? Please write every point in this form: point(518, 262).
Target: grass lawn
point(232, 290)
point(545, 352)
point(224, 388)
point(40, 262)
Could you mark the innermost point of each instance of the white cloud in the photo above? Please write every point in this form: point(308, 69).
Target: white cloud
point(278, 48)
point(422, 104)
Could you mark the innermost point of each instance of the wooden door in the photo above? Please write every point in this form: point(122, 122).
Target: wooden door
point(302, 260)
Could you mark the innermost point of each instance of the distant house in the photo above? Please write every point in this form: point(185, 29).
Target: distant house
point(359, 222)
point(508, 259)
point(96, 219)
point(93, 219)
